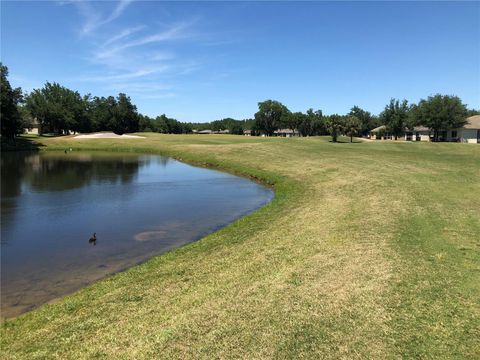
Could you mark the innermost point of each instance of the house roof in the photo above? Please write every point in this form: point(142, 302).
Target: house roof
point(377, 129)
point(420, 128)
point(285, 131)
point(473, 122)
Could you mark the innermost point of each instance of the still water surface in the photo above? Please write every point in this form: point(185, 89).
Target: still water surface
point(138, 206)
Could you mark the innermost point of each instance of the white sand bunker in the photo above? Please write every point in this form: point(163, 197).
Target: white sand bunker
point(150, 235)
point(107, 135)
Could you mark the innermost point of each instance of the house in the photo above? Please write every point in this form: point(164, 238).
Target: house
point(208, 132)
point(422, 133)
point(247, 132)
point(34, 128)
point(468, 133)
point(205, 132)
point(286, 133)
point(380, 133)
point(376, 134)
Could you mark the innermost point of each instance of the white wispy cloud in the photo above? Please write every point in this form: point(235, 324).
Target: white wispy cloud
point(174, 33)
point(122, 4)
point(162, 55)
point(138, 59)
point(160, 96)
point(94, 19)
point(139, 87)
point(125, 76)
point(123, 34)
point(133, 59)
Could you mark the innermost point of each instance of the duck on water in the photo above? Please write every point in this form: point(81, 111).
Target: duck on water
point(93, 239)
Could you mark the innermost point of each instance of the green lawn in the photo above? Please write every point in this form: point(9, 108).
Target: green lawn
point(369, 250)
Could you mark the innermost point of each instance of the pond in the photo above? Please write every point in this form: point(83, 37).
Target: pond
point(138, 206)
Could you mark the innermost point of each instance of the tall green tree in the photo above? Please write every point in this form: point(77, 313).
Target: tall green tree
point(335, 125)
point(395, 117)
point(160, 124)
point(412, 120)
point(366, 119)
point(310, 123)
point(166, 125)
point(219, 125)
point(59, 109)
point(144, 123)
point(317, 122)
point(125, 118)
point(26, 119)
point(233, 126)
point(270, 116)
point(440, 112)
point(352, 127)
point(295, 121)
point(10, 117)
point(236, 128)
point(101, 111)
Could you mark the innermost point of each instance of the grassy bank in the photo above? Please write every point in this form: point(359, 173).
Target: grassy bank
point(369, 250)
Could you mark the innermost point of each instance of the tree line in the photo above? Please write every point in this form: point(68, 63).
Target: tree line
point(273, 115)
point(437, 113)
point(60, 110)
point(235, 127)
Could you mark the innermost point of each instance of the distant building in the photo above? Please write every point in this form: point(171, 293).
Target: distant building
point(247, 132)
point(208, 132)
point(286, 133)
point(380, 133)
point(34, 129)
point(468, 133)
point(421, 133)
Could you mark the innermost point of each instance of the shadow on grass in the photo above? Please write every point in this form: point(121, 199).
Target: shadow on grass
point(20, 143)
point(346, 142)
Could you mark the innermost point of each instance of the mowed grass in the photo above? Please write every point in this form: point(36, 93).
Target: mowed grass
point(369, 250)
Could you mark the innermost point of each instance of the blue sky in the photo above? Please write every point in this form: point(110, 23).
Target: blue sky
point(200, 61)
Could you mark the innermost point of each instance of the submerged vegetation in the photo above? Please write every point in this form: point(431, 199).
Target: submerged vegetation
point(369, 250)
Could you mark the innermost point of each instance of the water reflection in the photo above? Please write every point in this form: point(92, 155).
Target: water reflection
point(52, 172)
point(128, 207)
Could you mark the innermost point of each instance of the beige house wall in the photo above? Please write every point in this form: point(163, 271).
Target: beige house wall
point(32, 131)
point(423, 135)
point(468, 135)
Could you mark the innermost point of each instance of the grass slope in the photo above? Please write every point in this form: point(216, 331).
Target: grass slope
point(369, 250)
